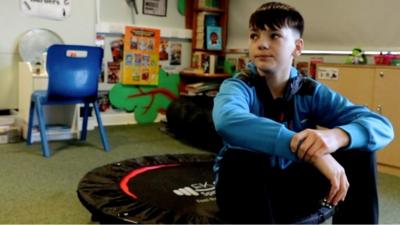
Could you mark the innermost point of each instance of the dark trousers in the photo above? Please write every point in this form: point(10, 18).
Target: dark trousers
point(249, 190)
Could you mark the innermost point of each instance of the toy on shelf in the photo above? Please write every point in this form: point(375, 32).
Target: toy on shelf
point(357, 57)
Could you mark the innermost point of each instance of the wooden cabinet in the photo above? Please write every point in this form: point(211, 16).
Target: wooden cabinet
point(356, 83)
point(387, 84)
point(375, 87)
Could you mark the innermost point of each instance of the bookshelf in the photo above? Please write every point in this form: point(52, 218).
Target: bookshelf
point(187, 73)
point(208, 20)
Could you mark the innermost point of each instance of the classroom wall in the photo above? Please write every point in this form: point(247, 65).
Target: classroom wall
point(79, 28)
point(118, 12)
point(331, 25)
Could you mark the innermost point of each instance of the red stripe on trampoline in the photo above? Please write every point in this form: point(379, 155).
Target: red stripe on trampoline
point(124, 182)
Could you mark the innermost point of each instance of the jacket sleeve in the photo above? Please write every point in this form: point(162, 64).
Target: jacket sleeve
point(367, 130)
point(240, 128)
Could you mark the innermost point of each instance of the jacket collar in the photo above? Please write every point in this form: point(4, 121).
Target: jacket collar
point(293, 86)
point(293, 71)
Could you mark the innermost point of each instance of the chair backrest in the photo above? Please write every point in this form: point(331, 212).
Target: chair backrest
point(74, 71)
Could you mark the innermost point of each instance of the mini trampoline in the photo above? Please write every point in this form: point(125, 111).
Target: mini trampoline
point(164, 189)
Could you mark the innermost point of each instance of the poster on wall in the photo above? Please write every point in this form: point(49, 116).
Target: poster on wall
point(50, 9)
point(141, 56)
point(176, 54)
point(164, 49)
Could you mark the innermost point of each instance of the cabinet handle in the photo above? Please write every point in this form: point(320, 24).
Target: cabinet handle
point(379, 109)
point(381, 74)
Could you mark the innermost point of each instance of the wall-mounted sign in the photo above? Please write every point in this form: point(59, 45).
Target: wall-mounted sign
point(325, 73)
point(50, 9)
point(155, 7)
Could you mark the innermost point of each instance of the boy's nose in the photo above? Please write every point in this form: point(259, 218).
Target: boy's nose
point(262, 44)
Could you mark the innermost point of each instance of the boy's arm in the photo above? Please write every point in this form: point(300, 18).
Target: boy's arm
point(313, 143)
point(365, 129)
point(336, 175)
point(241, 129)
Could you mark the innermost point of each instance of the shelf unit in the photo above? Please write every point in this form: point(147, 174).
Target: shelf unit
point(207, 62)
point(196, 8)
point(190, 77)
point(197, 12)
point(186, 73)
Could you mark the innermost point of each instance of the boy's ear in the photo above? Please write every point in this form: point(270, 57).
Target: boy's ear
point(299, 44)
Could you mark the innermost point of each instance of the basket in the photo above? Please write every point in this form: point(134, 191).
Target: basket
point(384, 59)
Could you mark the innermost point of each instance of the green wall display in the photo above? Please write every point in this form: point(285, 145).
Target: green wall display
point(145, 102)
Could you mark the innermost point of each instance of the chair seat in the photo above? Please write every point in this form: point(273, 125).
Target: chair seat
point(44, 99)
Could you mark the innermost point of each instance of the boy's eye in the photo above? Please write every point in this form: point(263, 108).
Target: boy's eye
point(253, 36)
point(274, 35)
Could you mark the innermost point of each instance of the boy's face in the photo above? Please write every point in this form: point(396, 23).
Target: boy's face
point(272, 51)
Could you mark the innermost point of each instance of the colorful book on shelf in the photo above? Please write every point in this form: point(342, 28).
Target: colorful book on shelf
point(204, 19)
point(214, 38)
point(200, 30)
point(201, 87)
point(213, 63)
point(204, 62)
point(211, 19)
point(196, 60)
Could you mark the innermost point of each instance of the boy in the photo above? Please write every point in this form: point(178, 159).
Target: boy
point(276, 167)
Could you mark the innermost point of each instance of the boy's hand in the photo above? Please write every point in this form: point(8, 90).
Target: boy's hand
point(310, 143)
point(336, 175)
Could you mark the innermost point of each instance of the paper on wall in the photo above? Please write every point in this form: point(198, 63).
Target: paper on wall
point(50, 9)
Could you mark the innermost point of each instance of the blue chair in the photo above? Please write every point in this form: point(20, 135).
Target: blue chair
point(74, 72)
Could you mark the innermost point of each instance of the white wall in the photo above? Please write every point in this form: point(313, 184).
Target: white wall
point(79, 28)
point(117, 11)
point(331, 24)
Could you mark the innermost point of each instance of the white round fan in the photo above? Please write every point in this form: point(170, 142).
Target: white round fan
point(35, 42)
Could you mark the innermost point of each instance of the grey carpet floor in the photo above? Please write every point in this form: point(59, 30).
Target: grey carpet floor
point(38, 190)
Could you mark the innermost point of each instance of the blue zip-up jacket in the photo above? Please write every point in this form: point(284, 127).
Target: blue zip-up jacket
point(238, 116)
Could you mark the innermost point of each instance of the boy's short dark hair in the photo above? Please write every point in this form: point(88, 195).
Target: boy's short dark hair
point(276, 15)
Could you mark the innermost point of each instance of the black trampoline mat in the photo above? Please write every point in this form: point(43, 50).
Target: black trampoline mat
point(166, 189)
point(186, 187)
point(159, 189)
